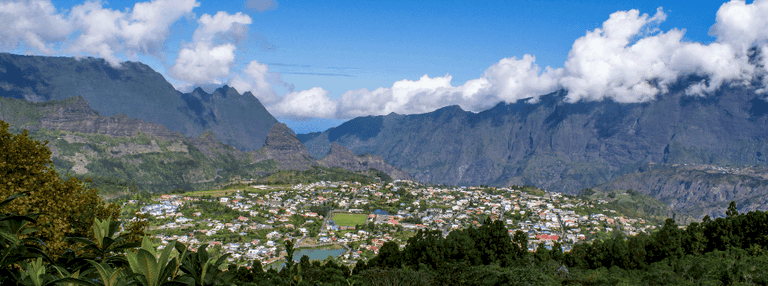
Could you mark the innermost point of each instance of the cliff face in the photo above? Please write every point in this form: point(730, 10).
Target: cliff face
point(286, 149)
point(137, 91)
point(341, 157)
point(239, 120)
point(283, 146)
point(699, 190)
point(120, 152)
point(124, 151)
point(75, 115)
point(558, 145)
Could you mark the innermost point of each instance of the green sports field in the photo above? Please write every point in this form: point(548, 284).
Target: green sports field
point(349, 219)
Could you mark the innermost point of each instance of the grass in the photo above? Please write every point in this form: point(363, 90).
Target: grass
point(349, 219)
point(212, 193)
point(229, 191)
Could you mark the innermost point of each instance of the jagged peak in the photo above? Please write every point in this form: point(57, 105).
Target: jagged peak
point(226, 90)
point(199, 90)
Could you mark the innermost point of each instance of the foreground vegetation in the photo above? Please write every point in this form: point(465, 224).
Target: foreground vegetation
point(726, 251)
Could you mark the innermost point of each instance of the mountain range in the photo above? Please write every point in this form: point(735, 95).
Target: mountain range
point(561, 146)
point(137, 91)
point(129, 124)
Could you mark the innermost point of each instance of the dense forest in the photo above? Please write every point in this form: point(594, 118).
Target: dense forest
point(56, 231)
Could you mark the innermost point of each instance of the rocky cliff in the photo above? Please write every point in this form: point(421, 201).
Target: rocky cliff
point(341, 157)
point(283, 146)
point(126, 152)
point(698, 190)
point(286, 149)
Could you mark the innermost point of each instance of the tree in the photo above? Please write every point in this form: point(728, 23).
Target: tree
point(66, 206)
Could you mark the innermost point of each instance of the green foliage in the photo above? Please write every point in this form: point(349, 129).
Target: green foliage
point(204, 269)
point(315, 174)
point(66, 207)
point(630, 203)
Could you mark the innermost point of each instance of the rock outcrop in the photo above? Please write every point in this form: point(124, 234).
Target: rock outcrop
point(341, 157)
point(283, 146)
point(699, 190)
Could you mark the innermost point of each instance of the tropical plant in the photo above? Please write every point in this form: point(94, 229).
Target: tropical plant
point(108, 244)
point(202, 268)
point(16, 246)
point(151, 267)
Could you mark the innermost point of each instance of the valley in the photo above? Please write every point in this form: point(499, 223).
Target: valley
point(251, 221)
point(687, 156)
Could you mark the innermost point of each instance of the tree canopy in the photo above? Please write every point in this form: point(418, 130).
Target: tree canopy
point(66, 206)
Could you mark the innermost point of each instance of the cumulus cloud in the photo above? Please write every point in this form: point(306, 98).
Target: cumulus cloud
point(742, 25)
point(222, 27)
point(257, 79)
point(204, 63)
point(89, 28)
point(144, 29)
point(34, 23)
point(606, 63)
point(512, 79)
point(305, 104)
point(502, 81)
point(211, 55)
point(627, 59)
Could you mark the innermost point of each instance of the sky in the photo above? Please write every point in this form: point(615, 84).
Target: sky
point(316, 64)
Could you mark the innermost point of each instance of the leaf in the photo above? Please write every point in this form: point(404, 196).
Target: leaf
point(9, 238)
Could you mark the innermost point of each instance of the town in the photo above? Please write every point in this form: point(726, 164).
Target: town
point(350, 221)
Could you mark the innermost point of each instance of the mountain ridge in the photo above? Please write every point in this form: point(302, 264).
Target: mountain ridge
point(137, 91)
point(558, 145)
point(148, 155)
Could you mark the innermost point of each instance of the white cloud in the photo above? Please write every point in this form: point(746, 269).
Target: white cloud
point(742, 25)
point(305, 104)
point(35, 23)
point(210, 57)
point(90, 28)
point(407, 96)
point(627, 59)
point(257, 79)
point(514, 79)
point(144, 29)
point(203, 63)
point(222, 27)
point(604, 63)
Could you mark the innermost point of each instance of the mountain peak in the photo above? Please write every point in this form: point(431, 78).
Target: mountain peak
point(139, 92)
point(283, 146)
point(283, 139)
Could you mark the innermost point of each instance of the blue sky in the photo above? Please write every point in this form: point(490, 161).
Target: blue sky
point(300, 57)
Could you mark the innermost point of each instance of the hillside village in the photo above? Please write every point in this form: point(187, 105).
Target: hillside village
point(251, 222)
